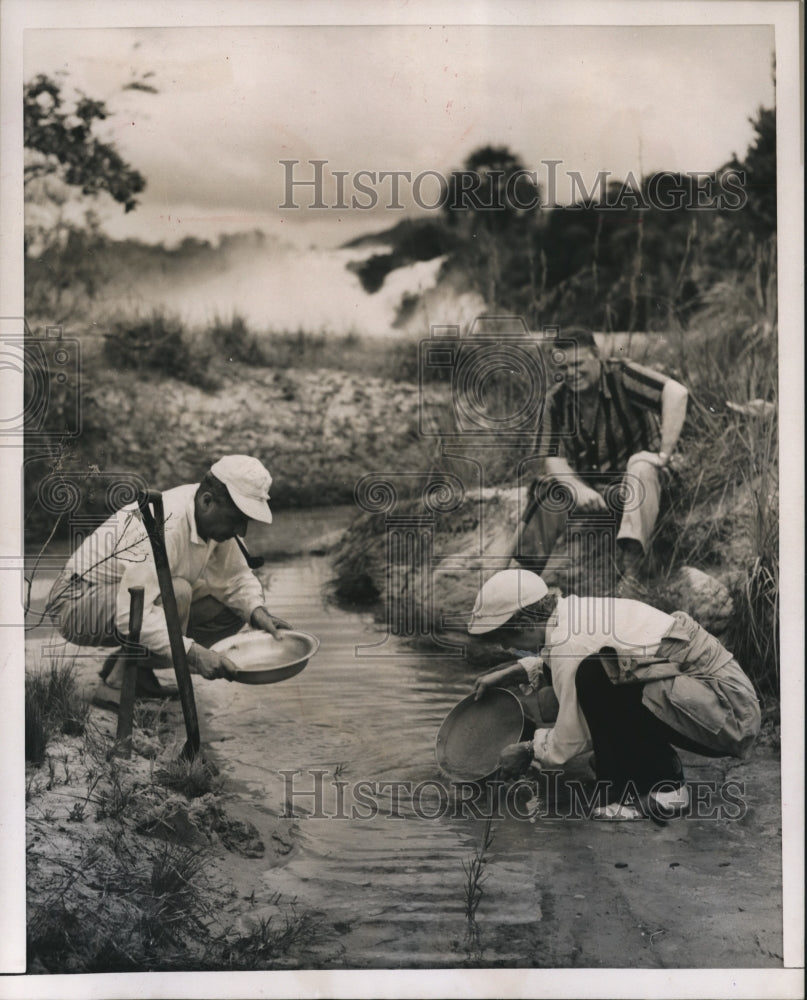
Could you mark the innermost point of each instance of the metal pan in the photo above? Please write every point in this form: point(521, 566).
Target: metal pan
point(474, 733)
point(262, 659)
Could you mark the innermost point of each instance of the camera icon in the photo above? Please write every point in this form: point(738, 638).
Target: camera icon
point(497, 377)
point(40, 375)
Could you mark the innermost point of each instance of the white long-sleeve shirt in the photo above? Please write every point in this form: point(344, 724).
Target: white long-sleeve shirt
point(583, 626)
point(118, 554)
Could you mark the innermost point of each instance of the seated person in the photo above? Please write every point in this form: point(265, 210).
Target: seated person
point(607, 420)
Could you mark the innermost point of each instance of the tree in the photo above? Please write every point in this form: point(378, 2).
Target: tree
point(60, 142)
point(759, 168)
point(68, 166)
point(491, 205)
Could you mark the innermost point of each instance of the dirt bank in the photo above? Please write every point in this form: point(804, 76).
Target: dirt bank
point(147, 863)
point(317, 430)
point(474, 537)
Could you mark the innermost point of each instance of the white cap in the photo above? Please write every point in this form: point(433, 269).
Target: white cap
point(248, 483)
point(502, 595)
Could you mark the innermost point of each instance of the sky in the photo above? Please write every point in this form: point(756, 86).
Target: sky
point(233, 102)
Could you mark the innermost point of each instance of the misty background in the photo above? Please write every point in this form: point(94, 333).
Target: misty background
point(205, 116)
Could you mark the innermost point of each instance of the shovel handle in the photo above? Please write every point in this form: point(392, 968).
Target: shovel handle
point(155, 526)
point(529, 513)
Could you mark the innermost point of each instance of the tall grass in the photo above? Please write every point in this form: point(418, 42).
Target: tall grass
point(53, 706)
point(731, 445)
point(160, 343)
point(385, 357)
point(146, 906)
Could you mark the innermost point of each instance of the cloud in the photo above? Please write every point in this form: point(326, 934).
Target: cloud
point(234, 102)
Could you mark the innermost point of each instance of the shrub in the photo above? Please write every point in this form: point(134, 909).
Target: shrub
point(159, 343)
point(115, 801)
point(269, 942)
point(234, 340)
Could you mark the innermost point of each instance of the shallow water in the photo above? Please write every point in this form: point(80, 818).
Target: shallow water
point(385, 865)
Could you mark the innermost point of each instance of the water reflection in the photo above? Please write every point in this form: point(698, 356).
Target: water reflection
point(381, 840)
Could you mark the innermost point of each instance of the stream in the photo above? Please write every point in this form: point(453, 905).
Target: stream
point(382, 861)
point(364, 832)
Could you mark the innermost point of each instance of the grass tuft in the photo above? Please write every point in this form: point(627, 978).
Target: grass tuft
point(52, 706)
point(271, 941)
point(193, 778)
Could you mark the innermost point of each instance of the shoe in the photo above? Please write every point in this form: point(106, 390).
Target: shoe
point(617, 812)
point(147, 685)
point(669, 804)
point(630, 588)
point(629, 562)
point(109, 665)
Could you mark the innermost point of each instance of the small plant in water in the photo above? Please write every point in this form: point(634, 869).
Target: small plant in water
point(475, 875)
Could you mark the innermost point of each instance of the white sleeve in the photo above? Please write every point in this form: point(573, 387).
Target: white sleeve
point(570, 734)
point(534, 668)
point(141, 572)
point(232, 582)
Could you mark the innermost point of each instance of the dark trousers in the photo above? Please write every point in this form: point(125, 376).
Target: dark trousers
point(630, 743)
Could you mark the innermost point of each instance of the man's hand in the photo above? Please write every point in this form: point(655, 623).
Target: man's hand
point(505, 677)
point(209, 664)
point(659, 459)
point(261, 619)
point(587, 499)
point(481, 684)
point(515, 760)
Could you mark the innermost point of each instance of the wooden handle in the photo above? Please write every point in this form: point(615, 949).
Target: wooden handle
point(155, 526)
point(130, 660)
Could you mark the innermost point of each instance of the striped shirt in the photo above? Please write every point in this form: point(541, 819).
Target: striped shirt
point(627, 420)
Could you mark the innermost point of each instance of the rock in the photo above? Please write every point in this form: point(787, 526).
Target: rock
point(703, 596)
point(468, 544)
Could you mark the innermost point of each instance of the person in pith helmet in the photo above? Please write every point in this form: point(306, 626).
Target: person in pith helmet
point(632, 683)
point(216, 591)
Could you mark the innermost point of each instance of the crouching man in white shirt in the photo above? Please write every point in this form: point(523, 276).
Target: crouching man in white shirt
point(631, 681)
point(216, 591)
